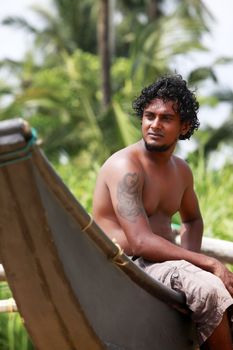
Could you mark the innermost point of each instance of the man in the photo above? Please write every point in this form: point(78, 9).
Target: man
point(142, 186)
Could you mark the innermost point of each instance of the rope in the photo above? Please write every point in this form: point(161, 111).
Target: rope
point(119, 254)
point(89, 223)
point(13, 161)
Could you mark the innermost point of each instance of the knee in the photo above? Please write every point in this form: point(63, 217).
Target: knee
point(208, 300)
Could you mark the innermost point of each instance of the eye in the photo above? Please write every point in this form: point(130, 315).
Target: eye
point(167, 117)
point(149, 116)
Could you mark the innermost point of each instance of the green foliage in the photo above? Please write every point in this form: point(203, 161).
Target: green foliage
point(214, 190)
point(13, 335)
point(62, 103)
point(80, 180)
point(61, 95)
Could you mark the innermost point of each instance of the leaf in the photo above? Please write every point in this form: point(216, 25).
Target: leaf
point(200, 74)
point(127, 130)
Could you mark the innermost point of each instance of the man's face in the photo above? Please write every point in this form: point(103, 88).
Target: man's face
point(161, 125)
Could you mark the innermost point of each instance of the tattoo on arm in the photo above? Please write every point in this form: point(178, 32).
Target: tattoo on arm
point(129, 199)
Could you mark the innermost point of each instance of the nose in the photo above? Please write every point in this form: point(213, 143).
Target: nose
point(156, 123)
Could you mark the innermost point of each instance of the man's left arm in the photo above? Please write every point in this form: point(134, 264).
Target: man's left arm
point(191, 234)
point(191, 230)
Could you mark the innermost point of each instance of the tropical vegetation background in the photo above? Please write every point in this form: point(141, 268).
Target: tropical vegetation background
point(76, 83)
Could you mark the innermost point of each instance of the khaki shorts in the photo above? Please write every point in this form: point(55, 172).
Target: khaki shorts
point(206, 295)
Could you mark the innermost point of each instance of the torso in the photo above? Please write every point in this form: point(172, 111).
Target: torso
point(162, 193)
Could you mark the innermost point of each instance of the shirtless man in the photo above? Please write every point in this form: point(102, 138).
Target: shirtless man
point(142, 186)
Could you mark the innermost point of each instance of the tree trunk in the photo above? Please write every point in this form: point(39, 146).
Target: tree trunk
point(104, 51)
point(153, 10)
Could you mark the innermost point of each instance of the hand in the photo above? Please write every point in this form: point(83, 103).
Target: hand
point(224, 274)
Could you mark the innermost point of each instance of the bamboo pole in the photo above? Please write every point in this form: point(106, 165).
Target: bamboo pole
point(220, 249)
point(2, 274)
point(217, 248)
point(8, 305)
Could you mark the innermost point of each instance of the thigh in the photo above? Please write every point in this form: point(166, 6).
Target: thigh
point(197, 284)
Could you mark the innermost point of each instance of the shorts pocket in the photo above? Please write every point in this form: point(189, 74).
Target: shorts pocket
point(175, 280)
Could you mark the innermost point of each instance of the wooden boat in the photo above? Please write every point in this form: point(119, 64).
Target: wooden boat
point(75, 288)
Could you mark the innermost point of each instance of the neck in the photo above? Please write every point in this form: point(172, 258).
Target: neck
point(162, 157)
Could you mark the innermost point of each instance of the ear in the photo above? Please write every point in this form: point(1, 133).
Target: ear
point(184, 128)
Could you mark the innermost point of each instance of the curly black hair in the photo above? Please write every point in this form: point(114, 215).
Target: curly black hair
point(171, 88)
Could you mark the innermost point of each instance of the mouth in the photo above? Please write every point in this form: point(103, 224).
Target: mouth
point(155, 135)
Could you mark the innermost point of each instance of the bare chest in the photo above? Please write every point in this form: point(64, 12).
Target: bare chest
point(162, 194)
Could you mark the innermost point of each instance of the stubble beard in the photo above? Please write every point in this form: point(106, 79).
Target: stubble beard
point(156, 148)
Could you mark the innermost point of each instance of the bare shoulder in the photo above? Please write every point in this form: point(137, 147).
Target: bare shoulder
point(183, 168)
point(119, 163)
point(122, 169)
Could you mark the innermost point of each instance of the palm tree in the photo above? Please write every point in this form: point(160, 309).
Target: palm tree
point(70, 26)
point(104, 50)
point(151, 50)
